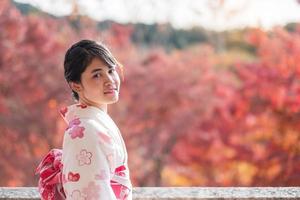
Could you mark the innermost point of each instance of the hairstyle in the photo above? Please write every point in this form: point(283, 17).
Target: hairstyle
point(80, 55)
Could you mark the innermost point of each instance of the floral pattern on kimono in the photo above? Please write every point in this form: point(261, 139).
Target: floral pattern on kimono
point(94, 156)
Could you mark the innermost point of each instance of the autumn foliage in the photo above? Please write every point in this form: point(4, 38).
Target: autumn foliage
point(189, 117)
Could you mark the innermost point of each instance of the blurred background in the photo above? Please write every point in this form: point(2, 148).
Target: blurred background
point(211, 95)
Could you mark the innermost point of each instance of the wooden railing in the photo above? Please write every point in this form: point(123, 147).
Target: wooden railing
point(180, 193)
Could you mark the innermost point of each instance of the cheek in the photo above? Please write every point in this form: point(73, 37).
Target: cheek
point(93, 88)
point(117, 80)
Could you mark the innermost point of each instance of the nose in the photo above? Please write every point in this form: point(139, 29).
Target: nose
point(109, 80)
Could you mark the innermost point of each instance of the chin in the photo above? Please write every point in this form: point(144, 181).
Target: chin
point(114, 100)
point(111, 102)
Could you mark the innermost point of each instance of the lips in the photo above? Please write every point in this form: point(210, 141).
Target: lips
point(111, 90)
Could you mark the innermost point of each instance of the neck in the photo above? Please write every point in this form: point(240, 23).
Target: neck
point(102, 107)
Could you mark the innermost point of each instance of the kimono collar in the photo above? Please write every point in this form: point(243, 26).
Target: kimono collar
point(80, 110)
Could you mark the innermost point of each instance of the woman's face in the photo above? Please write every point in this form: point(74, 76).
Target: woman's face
point(99, 84)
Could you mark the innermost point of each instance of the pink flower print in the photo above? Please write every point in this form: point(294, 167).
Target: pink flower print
point(105, 137)
point(120, 171)
point(92, 191)
point(121, 174)
point(81, 105)
point(124, 192)
point(73, 122)
point(102, 175)
point(73, 177)
point(84, 157)
point(51, 195)
point(76, 195)
point(120, 191)
point(77, 131)
point(63, 111)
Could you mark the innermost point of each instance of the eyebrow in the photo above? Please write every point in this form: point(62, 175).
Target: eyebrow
point(99, 69)
point(95, 70)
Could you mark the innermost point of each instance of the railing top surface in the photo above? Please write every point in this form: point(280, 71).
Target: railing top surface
point(179, 193)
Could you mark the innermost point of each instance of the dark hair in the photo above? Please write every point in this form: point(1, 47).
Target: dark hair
point(80, 55)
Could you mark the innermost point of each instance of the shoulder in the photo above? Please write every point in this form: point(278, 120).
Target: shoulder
point(80, 127)
point(87, 123)
point(87, 133)
point(87, 129)
point(92, 125)
point(99, 131)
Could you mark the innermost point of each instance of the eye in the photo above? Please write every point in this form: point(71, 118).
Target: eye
point(112, 70)
point(97, 75)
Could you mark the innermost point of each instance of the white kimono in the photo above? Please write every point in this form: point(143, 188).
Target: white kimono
point(94, 156)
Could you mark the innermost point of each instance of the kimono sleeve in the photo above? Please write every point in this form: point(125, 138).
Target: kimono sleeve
point(88, 162)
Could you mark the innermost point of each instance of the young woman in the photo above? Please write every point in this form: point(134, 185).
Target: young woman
point(93, 162)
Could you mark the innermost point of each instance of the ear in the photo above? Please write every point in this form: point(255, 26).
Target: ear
point(75, 86)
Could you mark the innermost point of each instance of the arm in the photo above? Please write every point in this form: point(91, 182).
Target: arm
point(87, 163)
